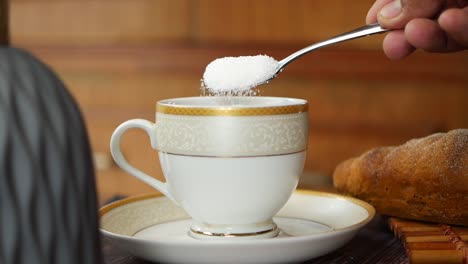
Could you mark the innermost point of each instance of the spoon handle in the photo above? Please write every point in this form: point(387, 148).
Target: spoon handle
point(356, 33)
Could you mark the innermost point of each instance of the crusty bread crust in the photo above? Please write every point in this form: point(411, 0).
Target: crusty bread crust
point(423, 179)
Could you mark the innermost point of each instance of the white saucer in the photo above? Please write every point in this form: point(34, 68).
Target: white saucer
point(312, 224)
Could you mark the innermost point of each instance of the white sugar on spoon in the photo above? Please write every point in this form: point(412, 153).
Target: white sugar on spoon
point(235, 75)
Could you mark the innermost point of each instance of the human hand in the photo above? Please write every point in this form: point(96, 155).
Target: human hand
point(431, 25)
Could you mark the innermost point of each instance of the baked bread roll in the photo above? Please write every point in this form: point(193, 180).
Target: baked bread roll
point(423, 179)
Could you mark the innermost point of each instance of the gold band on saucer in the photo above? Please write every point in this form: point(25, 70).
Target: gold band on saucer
point(273, 229)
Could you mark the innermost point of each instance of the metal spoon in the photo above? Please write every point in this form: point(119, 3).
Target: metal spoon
point(356, 33)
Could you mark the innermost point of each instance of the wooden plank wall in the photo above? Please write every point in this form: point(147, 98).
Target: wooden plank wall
point(4, 36)
point(119, 57)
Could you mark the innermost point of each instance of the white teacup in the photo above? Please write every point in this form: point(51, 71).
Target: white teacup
point(230, 162)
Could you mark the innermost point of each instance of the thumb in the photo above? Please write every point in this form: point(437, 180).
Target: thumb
point(396, 14)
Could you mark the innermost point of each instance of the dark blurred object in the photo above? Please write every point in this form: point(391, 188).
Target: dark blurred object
point(4, 19)
point(48, 209)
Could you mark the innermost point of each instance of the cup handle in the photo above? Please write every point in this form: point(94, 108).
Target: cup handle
point(119, 158)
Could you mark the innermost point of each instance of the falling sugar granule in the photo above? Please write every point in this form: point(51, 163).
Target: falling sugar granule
point(238, 75)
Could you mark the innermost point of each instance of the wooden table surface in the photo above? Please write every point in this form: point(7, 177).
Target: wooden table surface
point(374, 244)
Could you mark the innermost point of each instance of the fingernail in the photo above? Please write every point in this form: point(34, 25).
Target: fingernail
point(391, 10)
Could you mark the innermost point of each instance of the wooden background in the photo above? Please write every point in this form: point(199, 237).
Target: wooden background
point(4, 19)
point(119, 57)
